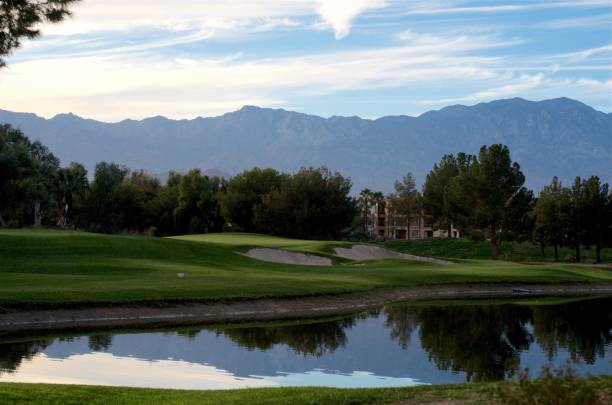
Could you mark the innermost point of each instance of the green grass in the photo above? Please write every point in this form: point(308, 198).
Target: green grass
point(475, 393)
point(470, 249)
point(245, 241)
point(62, 268)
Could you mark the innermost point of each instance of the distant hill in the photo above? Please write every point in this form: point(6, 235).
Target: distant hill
point(560, 137)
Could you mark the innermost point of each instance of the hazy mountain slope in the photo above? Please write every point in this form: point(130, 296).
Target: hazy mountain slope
point(554, 137)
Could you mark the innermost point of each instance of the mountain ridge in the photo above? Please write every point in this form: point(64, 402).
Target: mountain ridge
point(562, 137)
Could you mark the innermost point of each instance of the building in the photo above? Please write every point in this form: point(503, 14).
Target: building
point(387, 224)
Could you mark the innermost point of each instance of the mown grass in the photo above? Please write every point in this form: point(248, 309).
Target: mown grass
point(475, 393)
point(49, 267)
point(471, 249)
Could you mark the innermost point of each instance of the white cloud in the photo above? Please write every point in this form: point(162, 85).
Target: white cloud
point(579, 22)
point(115, 86)
point(533, 86)
point(444, 8)
point(220, 16)
point(340, 13)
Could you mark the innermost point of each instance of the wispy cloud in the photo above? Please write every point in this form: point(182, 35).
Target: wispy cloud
point(433, 8)
point(579, 22)
point(221, 16)
point(83, 83)
point(118, 59)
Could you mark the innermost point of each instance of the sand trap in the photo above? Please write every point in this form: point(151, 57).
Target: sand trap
point(283, 256)
point(371, 252)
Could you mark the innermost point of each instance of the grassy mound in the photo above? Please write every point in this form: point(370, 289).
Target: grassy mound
point(63, 268)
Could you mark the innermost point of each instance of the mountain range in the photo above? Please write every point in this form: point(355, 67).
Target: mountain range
point(558, 137)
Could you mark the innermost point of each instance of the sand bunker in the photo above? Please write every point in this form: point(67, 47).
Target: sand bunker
point(371, 252)
point(283, 256)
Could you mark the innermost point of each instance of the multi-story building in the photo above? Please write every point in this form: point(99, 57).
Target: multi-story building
point(388, 224)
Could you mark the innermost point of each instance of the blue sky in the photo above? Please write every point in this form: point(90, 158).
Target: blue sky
point(182, 59)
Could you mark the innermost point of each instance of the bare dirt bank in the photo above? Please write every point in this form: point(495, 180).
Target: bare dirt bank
point(267, 309)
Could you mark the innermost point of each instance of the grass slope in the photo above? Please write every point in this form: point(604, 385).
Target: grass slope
point(475, 393)
point(63, 268)
point(469, 249)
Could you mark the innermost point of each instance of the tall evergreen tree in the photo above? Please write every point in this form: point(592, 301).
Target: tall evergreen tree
point(549, 215)
point(485, 189)
point(596, 214)
point(574, 210)
point(435, 191)
point(405, 202)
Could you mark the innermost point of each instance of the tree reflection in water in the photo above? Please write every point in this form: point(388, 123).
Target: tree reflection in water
point(483, 340)
point(100, 342)
point(582, 328)
point(315, 339)
point(12, 354)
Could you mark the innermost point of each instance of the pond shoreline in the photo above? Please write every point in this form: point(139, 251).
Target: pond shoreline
point(160, 314)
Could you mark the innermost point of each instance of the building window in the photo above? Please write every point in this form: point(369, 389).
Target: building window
point(415, 233)
point(381, 222)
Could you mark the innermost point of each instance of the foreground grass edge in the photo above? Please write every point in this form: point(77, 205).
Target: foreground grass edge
point(20, 393)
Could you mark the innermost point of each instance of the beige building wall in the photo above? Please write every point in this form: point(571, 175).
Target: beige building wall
point(389, 226)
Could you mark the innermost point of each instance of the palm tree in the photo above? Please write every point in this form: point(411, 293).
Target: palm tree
point(365, 199)
point(72, 181)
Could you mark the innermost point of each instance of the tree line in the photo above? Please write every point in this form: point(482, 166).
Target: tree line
point(484, 196)
point(36, 191)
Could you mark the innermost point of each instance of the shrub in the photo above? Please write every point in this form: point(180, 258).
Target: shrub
point(552, 387)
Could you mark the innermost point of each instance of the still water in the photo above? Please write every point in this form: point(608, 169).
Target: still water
point(398, 345)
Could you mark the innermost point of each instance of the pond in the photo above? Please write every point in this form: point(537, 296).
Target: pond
point(398, 345)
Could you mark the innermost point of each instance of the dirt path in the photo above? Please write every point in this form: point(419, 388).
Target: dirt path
point(266, 309)
point(371, 252)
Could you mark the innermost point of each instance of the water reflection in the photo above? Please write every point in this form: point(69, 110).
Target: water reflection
point(484, 341)
point(583, 329)
point(314, 339)
point(398, 345)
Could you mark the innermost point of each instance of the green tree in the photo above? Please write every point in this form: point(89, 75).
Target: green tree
point(574, 212)
point(366, 200)
point(483, 191)
point(244, 195)
point(596, 218)
point(101, 201)
point(311, 204)
point(72, 182)
point(198, 209)
point(435, 191)
point(164, 204)
point(405, 202)
point(549, 216)
point(40, 183)
point(134, 202)
point(22, 19)
point(15, 161)
point(519, 219)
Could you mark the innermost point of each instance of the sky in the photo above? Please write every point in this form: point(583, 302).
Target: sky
point(187, 58)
